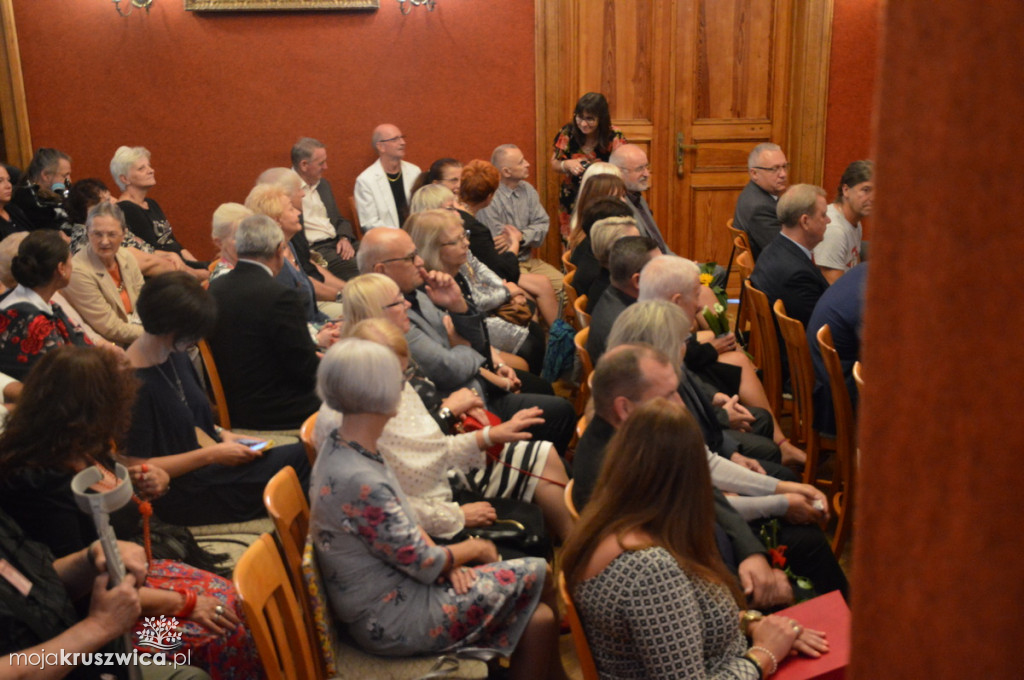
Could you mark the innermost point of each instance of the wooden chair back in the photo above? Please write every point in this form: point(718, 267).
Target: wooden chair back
point(306, 437)
point(273, 614)
point(801, 376)
point(764, 345)
point(567, 266)
point(580, 339)
point(570, 300)
point(745, 261)
point(580, 305)
point(845, 474)
point(740, 238)
point(857, 377)
point(745, 264)
point(214, 388)
point(567, 499)
point(579, 636)
point(357, 228)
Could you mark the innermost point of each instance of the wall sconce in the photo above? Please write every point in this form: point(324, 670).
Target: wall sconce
point(134, 3)
point(406, 5)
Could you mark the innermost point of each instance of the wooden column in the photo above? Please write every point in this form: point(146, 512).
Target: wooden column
point(937, 574)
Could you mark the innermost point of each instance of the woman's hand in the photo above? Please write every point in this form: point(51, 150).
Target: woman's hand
point(462, 400)
point(509, 373)
point(480, 514)
point(462, 579)
point(573, 166)
point(724, 343)
point(149, 481)
point(328, 335)
point(213, 615)
point(512, 430)
point(776, 634)
point(809, 642)
point(231, 453)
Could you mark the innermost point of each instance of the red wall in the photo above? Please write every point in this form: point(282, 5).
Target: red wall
point(220, 97)
point(852, 74)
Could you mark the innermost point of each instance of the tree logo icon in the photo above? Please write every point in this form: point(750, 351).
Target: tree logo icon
point(160, 632)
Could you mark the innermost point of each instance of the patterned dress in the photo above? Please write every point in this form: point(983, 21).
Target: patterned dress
point(27, 333)
point(566, 148)
point(647, 618)
point(381, 573)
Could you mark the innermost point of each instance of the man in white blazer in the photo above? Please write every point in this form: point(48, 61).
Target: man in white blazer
point(383, 189)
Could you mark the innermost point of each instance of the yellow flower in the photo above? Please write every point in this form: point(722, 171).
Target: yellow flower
point(706, 279)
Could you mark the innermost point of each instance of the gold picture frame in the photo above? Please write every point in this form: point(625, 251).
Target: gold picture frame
point(278, 5)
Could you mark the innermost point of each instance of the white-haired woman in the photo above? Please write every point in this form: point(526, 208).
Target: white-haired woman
point(397, 592)
point(225, 221)
point(134, 175)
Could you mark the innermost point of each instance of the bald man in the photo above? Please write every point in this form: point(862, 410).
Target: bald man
point(383, 189)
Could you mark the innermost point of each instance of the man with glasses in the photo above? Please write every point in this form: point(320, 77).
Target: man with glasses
point(755, 208)
point(636, 173)
point(383, 189)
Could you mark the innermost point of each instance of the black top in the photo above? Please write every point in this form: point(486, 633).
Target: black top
point(300, 246)
point(150, 225)
point(481, 244)
point(42, 209)
point(587, 266)
point(612, 303)
point(17, 222)
point(398, 192)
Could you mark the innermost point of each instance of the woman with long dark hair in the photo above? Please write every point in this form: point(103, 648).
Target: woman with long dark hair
point(653, 594)
point(588, 137)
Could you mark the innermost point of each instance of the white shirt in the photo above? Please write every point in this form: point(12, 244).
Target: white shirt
point(317, 225)
point(840, 249)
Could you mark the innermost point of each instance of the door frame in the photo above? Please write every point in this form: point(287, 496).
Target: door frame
point(17, 139)
point(557, 88)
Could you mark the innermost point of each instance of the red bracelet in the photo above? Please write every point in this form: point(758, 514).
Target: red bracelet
point(190, 603)
point(782, 441)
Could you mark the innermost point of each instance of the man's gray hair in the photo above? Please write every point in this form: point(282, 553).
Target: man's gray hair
point(668, 275)
point(304, 148)
point(258, 237)
point(498, 157)
point(360, 376)
point(755, 154)
point(799, 200)
point(286, 177)
point(105, 209)
point(123, 160)
point(45, 160)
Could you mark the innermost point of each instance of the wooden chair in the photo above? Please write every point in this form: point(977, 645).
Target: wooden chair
point(857, 376)
point(580, 339)
point(306, 437)
point(845, 475)
point(570, 300)
point(741, 239)
point(580, 305)
point(567, 499)
point(801, 376)
point(272, 613)
point(214, 388)
point(357, 229)
point(288, 510)
point(745, 264)
point(567, 266)
point(764, 345)
point(579, 636)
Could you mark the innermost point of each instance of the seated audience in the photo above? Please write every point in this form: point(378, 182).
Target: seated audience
point(86, 193)
point(444, 246)
point(653, 594)
point(632, 161)
point(462, 358)
point(587, 267)
point(609, 188)
point(842, 247)
point(629, 255)
point(480, 181)
point(444, 171)
point(12, 219)
point(134, 175)
point(392, 588)
point(33, 624)
point(603, 235)
point(40, 194)
point(89, 394)
point(383, 189)
point(30, 323)
point(218, 476)
point(225, 222)
point(105, 280)
point(264, 354)
point(726, 374)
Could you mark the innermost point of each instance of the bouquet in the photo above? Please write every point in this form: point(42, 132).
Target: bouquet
point(716, 317)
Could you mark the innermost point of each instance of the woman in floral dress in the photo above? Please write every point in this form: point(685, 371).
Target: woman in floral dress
point(587, 138)
point(395, 591)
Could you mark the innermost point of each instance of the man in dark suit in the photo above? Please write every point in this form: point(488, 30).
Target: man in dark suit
point(755, 208)
point(327, 231)
point(786, 268)
point(264, 354)
point(627, 258)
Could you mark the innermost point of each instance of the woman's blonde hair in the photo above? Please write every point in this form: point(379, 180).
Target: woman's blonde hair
point(382, 332)
point(269, 200)
point(430, 197)
point(365, 297)
point(226, 218)
point(427, 232)
point(605, 233)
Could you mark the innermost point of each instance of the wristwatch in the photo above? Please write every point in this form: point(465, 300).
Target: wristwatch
point(748, 617)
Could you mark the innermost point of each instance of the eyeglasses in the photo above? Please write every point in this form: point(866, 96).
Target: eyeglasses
point(462, 238)
point(396, 303)
point(639, 168)
point(586, 119)
point(392, 139)
point(775, 169)
point(410, 258)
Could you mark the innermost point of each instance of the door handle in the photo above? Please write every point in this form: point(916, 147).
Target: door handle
point(681, 148)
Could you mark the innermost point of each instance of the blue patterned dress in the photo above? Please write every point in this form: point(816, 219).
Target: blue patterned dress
point(382, 574)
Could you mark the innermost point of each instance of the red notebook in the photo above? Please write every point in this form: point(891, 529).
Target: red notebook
point(830, 614)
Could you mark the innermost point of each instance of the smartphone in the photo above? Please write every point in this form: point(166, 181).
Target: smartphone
point(254, 444)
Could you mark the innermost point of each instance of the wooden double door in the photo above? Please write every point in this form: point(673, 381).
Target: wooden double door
point(697, 84)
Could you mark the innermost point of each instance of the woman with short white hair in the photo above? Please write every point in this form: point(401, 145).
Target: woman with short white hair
point(134, 175)
point(395, 590)
point(225, 222)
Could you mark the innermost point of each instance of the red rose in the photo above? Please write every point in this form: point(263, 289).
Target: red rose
point(38, 330)
point(369, 533)
point(474, 615)
point(505, 576)
point(373, 514)
point(778, 556)
point(5, 321)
